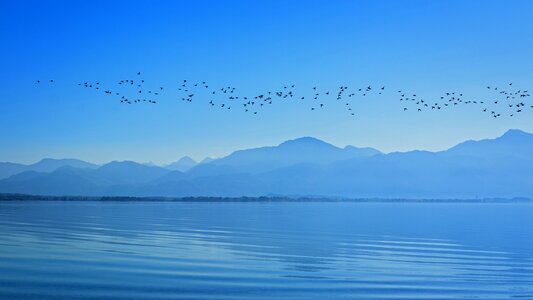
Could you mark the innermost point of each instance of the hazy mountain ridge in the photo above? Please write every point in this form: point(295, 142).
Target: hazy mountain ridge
point(301, 150)
point(46, 165)
point(501, 167)
point(513, 143)
point(8, 169)
point(184, 164)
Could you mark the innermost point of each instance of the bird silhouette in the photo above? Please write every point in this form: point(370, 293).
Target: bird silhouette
point(504, 98)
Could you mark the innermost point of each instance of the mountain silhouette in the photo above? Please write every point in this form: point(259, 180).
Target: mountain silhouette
point(301, 150)
point(184, 164)
point(499, 167)
point(50, 164)
point(513, 143)
point(206, 160)
point(45, 165)
point(8, 169)
point(128, 172)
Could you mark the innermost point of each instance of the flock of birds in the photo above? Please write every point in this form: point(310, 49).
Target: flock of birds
point(512, 100)
point(504, 101)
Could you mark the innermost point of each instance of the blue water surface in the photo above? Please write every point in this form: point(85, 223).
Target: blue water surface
point(174, 250)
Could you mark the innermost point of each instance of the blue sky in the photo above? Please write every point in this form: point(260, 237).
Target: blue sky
point(427, 47)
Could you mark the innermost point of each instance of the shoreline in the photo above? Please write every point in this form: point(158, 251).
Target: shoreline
point(261, 199)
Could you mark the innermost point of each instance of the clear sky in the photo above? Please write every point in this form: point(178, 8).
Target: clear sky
point(427, 47)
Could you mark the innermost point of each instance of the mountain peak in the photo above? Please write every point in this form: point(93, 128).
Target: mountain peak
point(513, 142)
point(129, 172)
point(54, 160)
point(187, 160)
point(51, 164)
point(515, 133)
point(361, 151)
point(183, 164)
point(122, 163)
point(305, 140)
point(207, 160)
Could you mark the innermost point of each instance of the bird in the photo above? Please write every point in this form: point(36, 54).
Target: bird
point(448, 100)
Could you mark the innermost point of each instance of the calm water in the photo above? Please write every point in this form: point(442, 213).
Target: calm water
point(112, 250)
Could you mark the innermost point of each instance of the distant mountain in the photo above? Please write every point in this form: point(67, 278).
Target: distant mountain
point(45, 165)
point(514, 142)
point(50, 164)
point(63, 181)
point(206, 160)
point(500, 167)
point(128, 172)
point(118, 176)
point(184, 164)
point(172, 176)
point(8, 169)
point(297, 151)
point(416, 174)
point(212, 169)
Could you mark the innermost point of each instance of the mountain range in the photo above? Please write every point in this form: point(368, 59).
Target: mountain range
point(500, 167)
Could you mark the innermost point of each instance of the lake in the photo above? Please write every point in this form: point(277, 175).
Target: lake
point(315, 250)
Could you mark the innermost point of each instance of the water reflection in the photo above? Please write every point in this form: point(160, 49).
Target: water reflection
point(258, 250)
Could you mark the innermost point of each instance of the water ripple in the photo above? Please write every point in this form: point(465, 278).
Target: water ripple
point(256, 251)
